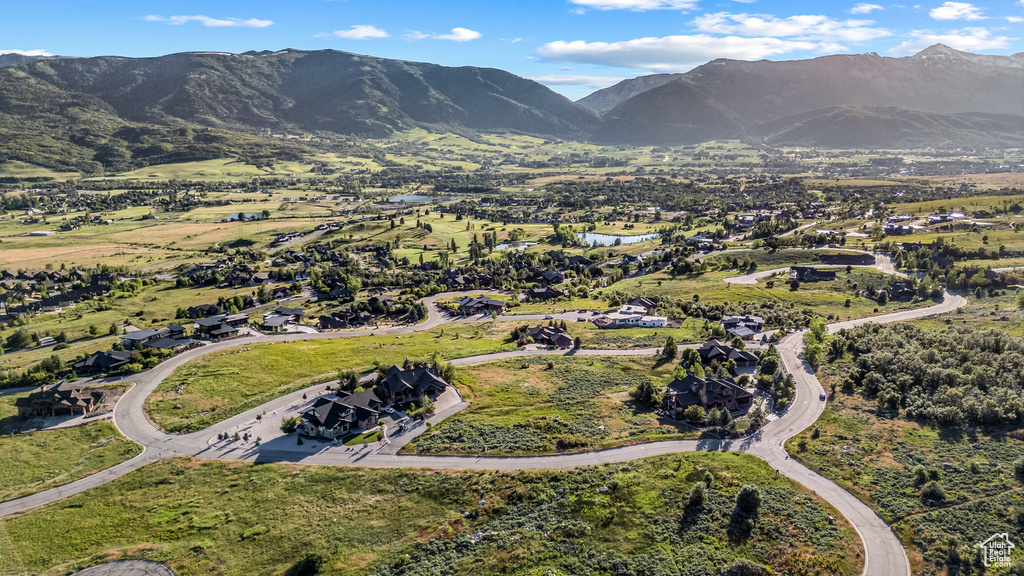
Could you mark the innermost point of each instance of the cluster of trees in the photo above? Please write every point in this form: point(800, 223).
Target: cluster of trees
point(947, 377)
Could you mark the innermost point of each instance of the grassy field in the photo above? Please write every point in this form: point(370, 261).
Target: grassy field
point(38, 461)
point(822, 298)
point(223, 384)
point(591, 336)
point(521, 406)
point(239, 519)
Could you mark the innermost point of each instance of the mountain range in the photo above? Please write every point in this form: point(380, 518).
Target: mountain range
point(116, 112)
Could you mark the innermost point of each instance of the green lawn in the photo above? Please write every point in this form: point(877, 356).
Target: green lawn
point(223, 384)
point(240, 519)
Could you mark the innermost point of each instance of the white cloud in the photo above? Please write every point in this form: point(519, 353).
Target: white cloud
point(956, 11)
point(1015, 19)
point(459, 35)
point(865, 8)
point(803, 27)
point(575, 80)
point(456, 35)
point(211, 22)
point(637, 5)
point(26, 52)
point(745, 1)
point(670, 53)
point(967, 39)
point(361, 32)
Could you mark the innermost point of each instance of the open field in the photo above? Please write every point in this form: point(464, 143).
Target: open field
point(823, 298)
point(521, 406)
point(38, 461)
point(223, 384)
point(235, 518)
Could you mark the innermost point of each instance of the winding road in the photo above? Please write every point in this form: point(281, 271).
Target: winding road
point(884, 552)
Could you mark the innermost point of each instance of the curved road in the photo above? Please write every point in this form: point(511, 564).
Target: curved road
point(884, 552)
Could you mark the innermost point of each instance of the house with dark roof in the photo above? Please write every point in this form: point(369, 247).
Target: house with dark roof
point(105, 361)
point(901, 292)
point(401, 385)
point(811, 274)
point(647, 304)
point(331, 418)
point(469, 306)
point(140, 338)
point(550, 336)
point(61, 400)
point(222, 326)
point(708, 393)
point(714, 350)
point(281, 318)
point(743, 326)
point(546, 293)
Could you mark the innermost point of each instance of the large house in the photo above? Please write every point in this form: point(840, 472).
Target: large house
point(281, 318)
point(547, 293)
point(550, 336)
point(410, 384)
point(811, 274)
point(629, 316)
point(221, 326)
point(647, 304)
point(172, 338)
point(714, 350)
point(469, 306)
point(743, 326)
point(708, 393)
point(61, 400)
point(332, 418)
point(102, 362)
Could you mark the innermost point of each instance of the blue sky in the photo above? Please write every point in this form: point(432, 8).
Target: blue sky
point(573, 46)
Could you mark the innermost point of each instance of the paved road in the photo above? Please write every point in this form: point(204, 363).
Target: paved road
point(884, 553)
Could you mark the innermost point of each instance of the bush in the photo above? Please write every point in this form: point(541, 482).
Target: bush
point(933, 491)
point(1018, 469)
point(749, 499)
point(698, 495)
point(289, 425)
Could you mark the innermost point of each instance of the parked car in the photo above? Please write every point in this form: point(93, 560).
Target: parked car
point(822, 396)
point(549, 317)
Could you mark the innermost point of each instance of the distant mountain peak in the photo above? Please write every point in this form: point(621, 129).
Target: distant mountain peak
point(941, 51)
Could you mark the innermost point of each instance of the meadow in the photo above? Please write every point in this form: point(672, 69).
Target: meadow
point(239, 519)
point(220, 385)
point(37, 461)
point(543, 405)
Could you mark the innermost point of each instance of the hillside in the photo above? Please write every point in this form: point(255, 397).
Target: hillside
point(891, 127)
point(109, 114)
point(743, 94)
point(65, 131)
point(316, 91)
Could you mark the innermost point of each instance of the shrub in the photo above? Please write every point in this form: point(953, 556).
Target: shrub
point(289, 425)
point(933, 491)
point(749, 499)
point(1018, 469)
point(698, 495)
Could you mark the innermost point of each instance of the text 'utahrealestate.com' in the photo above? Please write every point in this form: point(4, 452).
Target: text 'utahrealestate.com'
point(537, 288)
